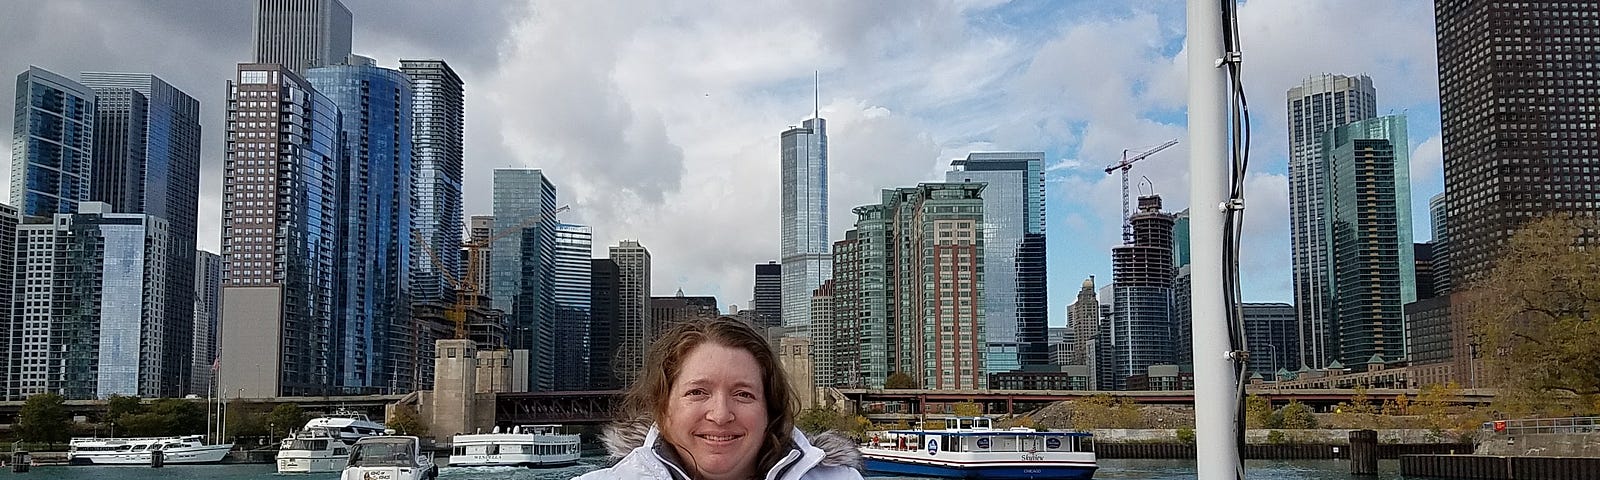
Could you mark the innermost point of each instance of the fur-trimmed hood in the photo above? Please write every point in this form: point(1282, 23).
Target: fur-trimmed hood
point(826, 455)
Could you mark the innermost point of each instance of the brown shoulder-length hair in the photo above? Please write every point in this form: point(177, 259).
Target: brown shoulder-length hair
point(649, 395)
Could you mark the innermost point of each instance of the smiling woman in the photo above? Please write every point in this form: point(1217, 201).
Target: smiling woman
point(712, 403)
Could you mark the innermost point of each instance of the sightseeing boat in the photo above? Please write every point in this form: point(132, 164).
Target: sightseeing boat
point(187, 449)
point(389, 457)
point(323, 445)
point(972, 448)
point(521, 446)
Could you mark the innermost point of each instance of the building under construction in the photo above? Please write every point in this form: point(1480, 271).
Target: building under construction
point(1140, 333)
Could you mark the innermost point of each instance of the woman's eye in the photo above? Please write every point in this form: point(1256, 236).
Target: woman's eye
point(695, 392)
point(748, 395)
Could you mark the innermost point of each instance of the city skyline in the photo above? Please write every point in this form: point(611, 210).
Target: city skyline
point(638, 157)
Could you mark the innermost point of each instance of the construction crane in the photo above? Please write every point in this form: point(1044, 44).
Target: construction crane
point(470, 289)
point(1125, 165)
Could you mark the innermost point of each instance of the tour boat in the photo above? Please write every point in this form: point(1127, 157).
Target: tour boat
point(389, 457)
point(187, 449)
point(971, 448)
point(522, 446)
point(324, 444)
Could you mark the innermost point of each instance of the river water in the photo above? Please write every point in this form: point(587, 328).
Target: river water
point(1110, 469)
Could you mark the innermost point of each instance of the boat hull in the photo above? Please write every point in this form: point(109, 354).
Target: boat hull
point(529, 461)
point(177, 456)
point(979, 471)
point(311, 463)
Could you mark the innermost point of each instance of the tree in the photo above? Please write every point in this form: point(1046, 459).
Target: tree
point(119, 405)
point(899, 380)
point(967, 409)
point(1297, 415)
point(1258, 412)
point(44, 418)
point(407, 422)
point(1537, 311)
point(284, 418)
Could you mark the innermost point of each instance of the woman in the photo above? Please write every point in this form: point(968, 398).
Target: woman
point(711, 404)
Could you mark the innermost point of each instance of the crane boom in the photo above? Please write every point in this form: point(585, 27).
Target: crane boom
point(1125, 165)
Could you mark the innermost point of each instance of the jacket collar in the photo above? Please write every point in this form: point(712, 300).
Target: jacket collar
point(826, 449)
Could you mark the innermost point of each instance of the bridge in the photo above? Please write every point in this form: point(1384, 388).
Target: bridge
point(92, 410)
point(879, 401)
point(570, 408)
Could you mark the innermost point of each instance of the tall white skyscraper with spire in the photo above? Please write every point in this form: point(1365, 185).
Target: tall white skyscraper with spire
point(807, 260)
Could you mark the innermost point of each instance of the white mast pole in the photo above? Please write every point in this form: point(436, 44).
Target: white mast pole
point(1215, 391)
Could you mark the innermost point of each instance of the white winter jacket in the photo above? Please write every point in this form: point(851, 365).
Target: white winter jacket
point(827, 456)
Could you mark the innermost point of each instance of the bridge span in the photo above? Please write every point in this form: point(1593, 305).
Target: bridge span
point(881, 401)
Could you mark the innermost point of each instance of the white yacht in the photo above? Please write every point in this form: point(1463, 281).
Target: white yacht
point(323, 445)
point(187, 449)
point(389, 457)
point(522, 446)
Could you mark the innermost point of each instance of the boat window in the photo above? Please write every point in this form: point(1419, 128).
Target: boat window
point(139, 448)
point(458, 451)
point(340, 451)
point(384, 453)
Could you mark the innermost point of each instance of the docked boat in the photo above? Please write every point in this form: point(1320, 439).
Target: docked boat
point(521, 446)
point(972, 448)
point(324, 444)
point(389, 457)
point(187, 449)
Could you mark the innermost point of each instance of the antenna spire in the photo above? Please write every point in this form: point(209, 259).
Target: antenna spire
point(816, 111)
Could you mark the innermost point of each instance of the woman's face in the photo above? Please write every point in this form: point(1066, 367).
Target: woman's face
point(716, 414)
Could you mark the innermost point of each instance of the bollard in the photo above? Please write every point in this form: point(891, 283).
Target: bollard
point(20, 461)
point(1364, 452)
point(158, 459)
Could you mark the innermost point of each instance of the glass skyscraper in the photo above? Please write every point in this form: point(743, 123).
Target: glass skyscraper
point(768, 298)
point(522, 268)
point(1014, 256)
point(439, 105)
point(300, 34)
point(574, 245)
point(805, 257)
point(52, 149)
point(604, 285)
point(1369, 218)
point(147, 160)
point(207, 312)
point(373, 331)
point(282, 174)
point(1317, 105)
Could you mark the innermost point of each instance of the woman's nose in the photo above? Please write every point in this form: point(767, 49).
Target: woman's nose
point(721, 410)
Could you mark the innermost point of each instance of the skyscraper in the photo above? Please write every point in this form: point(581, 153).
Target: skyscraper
point(1369, 221)
point(1270, 331)
point(52, 150)
point(633, 331)
point(805, 256)
point(438, 105)
point(300, 34)
point(572, 291)
point(373, 333)
point(1141, 331)
point(768, 299)
point(824, 335)
point(933, 329)
point(93, 327)
point(147, 160)
point(12, 286)
point(282, 170)
point(522, 271)
point(207, 312)
point(1083, 318)
point(1517, 118)
point(1318, 104)
point(604, 285)
point(1440, 224)
point(1014, 255)
point(846, 336)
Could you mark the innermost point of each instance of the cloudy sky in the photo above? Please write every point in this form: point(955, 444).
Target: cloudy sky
point(659, 121)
